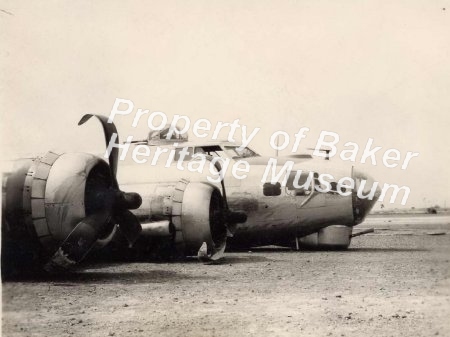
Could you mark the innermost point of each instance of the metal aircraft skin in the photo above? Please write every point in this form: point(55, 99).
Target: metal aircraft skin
point(289, 217)
point(58, 207)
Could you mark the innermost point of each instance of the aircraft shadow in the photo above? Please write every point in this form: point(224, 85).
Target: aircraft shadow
point(321, 251)
point(103, 277)
point(387, 250)
point(268, 249)
point(230, 259)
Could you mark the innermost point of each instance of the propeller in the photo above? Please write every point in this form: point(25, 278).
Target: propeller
point(230, 216)
point(110, 206)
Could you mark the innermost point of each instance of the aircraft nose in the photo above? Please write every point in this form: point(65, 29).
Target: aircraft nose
point(368, 195)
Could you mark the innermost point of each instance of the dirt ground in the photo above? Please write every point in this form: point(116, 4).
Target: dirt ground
point(395, 282)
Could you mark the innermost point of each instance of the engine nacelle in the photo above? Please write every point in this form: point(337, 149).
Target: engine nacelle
point(44, 199)
point(191, 213)
point(331, 237)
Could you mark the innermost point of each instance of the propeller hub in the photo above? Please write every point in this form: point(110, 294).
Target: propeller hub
point(130, 200)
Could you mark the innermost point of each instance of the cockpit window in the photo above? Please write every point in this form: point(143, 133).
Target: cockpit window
point(216, 151)
point(188, 155)
point(213, 150)
point(236, 152)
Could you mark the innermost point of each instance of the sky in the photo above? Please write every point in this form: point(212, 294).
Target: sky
point(372, 69)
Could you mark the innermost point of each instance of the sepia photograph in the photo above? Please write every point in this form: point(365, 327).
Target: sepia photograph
point(225, 168)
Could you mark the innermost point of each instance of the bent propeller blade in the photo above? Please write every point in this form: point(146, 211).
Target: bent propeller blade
point(108, 129)
point(79, 242)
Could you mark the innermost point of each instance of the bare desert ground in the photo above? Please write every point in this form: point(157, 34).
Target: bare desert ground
point(395, 282)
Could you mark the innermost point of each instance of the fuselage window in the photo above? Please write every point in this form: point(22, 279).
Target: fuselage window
point(302, 180)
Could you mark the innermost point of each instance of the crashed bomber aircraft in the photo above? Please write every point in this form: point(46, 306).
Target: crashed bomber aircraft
point(59, 207)
point(297, 214)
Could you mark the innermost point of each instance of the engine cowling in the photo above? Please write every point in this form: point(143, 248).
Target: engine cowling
point(192, 214)
point(59, 207)
point(44, 199)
